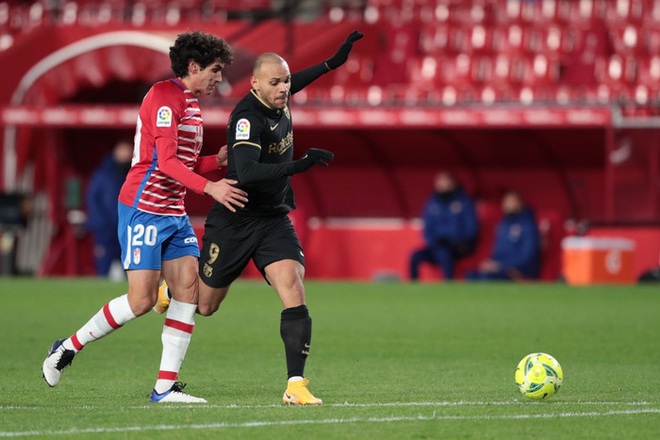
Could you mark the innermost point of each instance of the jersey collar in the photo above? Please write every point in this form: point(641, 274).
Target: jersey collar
point(179, 83)
point(273, 112)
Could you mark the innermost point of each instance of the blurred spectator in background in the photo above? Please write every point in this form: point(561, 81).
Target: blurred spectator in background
point(450, 227)
point(102, 194)
point(516, 248)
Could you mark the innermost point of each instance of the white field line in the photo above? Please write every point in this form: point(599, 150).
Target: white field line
point(342, 405)
point(267, 423)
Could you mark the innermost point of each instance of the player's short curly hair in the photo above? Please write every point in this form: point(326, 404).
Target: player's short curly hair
point(200, 47)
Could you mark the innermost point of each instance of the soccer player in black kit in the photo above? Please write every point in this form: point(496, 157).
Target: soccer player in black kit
point(260, 145)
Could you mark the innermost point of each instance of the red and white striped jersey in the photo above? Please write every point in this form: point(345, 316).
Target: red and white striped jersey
point(168, 110)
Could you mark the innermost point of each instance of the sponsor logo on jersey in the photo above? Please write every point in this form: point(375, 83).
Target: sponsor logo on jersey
point(243, 129)
point(164, 117)
point(282, 146)
point(136, 256)
point(190, 240)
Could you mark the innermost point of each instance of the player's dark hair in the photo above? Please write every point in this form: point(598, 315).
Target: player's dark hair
point(200, 47)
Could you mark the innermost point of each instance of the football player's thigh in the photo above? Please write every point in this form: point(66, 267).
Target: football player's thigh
point(226, 250)
point(280, 258)
point(141, 237)
point(180, 262)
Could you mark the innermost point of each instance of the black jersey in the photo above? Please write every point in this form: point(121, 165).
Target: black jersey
point(253, 124)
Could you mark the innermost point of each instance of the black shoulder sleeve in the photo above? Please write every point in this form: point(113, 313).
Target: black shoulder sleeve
point(250, 170)
point(303, 78)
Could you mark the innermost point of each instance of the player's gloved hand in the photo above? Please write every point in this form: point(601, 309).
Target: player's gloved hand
point(313, 156)
point(341, 55)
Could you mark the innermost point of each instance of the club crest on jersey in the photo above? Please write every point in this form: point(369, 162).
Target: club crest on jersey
point(242, 129)
point(164, 117)
point(136, 256)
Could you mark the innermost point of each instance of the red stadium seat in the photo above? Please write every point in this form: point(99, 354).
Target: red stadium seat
point(651, 35)
point(616, 70)
point(422, 70)
point(434, 38)
point(648, 72)
point(625, 38)
point(459, 69)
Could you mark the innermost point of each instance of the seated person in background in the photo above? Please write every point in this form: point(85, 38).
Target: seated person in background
point(516, 247)
point(450, 227)
point(101, 200)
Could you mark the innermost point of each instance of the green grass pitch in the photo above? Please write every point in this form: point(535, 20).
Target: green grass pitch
point(390, 361)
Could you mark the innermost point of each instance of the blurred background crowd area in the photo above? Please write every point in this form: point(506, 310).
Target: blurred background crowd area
point(428, 51)
point(555, 99)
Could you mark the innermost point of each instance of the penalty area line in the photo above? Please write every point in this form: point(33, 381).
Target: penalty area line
point(333, 421)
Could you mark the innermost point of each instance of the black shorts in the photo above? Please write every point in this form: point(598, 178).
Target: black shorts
point(231, 240)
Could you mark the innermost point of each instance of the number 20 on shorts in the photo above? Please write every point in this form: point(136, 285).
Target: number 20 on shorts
point(144, 235)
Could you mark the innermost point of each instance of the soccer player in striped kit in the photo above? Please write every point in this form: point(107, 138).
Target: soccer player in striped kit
point(154, 230)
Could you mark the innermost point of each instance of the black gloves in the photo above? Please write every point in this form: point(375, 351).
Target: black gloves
point(341, 55)
point(312, 157)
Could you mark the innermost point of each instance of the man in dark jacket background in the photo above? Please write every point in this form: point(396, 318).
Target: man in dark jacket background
point(101, 200)
point(450, 227)
point(516, 248)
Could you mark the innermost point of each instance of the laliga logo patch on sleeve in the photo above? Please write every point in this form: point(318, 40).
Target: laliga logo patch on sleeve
point(243, 129)
point(164, 117)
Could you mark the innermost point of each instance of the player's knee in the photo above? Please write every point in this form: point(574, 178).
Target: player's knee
point(207, 309)
point(140, 306)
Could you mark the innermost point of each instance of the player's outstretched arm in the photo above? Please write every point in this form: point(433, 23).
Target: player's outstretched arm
point(303, 78)
point(250, 170)
point(341, 55)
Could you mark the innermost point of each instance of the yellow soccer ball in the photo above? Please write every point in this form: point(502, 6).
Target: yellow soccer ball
point(539, 376)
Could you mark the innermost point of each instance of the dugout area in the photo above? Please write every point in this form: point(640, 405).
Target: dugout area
point(65, 103)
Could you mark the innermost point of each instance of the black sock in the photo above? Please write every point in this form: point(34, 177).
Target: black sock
point(296, 332)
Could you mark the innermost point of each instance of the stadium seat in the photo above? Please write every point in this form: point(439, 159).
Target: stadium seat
point(651, 36)
point(625, 38)
point(648, 76)
point(434, 38)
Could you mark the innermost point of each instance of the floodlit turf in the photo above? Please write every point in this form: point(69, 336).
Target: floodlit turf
point(390, 361)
